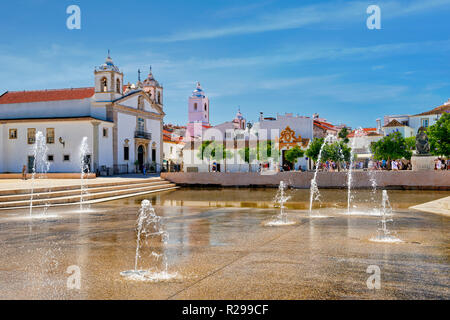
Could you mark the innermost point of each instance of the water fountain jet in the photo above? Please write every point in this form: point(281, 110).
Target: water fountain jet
point(280, 199)
point(84, 168)
point(149, 224)
point(40, 165)
point(384, 234)
point(314, 189)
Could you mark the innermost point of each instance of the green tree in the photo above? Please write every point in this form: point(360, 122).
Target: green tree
point(411, 143)
point(293, 154)
point(314, 148)
point(392, 146)
point(337, 152)
point(343, 135)
point(267, 150)
point(206, 152)
point(221, 153)
point(248, 155)
point(439, 136)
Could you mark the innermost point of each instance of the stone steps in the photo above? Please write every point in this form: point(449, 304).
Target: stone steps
point(77, 186)
point(95, 193)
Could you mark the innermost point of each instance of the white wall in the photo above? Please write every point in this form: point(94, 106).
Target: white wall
point(16, 151)
point(126, 125)
point(2, 152)
point(105, 145)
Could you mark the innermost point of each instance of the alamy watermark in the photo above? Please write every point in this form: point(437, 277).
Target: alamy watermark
point(74, 20)
point(74, 279)
point(374, 281)
point(374, 20)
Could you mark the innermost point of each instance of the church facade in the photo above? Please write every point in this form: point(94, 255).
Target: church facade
point(122, 123)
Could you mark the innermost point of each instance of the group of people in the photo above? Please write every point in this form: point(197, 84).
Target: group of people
point(441, 164)
point(400, 165)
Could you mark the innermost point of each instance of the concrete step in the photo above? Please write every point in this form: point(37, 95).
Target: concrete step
point(88, 198)
point(54, 194)
point(88, 183)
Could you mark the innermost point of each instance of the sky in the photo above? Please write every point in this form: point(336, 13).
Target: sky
point(300, 57)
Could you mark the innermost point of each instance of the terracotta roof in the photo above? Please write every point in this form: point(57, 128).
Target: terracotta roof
point(394, 123)
point(325, 125)
point(368, 131)
point(58, 119)
point(438, 110)
point(46, 95)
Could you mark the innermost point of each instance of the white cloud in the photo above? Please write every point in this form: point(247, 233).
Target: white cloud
point(294, 18)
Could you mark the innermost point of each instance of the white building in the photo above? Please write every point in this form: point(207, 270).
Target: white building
point(123, 124)
point(173, 144)
point(409, 125)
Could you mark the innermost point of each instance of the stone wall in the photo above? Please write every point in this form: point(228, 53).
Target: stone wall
point(433, 180)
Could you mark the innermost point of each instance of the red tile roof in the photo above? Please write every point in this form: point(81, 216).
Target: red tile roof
point(438, 110)
point(394, 123)
point(46, 95)
point(325, 125)
point(368, 131)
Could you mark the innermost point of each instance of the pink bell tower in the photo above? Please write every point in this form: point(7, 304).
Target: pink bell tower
point(198, 112)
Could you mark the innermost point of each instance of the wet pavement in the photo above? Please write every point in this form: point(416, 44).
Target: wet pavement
point(221, 249)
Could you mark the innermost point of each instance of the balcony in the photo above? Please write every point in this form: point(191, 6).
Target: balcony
point(143, 135)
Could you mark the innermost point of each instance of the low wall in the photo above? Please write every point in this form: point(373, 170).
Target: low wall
point(433, 180)
point(48, 176)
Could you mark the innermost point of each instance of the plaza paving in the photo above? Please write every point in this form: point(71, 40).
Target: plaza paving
point(226, 252)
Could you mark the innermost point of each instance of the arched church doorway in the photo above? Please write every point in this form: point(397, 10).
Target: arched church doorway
point(140, 159)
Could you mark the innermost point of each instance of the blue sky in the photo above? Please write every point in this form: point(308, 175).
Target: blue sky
point(271, 56)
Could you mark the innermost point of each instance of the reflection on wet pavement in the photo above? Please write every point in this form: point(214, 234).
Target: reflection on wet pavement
point(221, 248)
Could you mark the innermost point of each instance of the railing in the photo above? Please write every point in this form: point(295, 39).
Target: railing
point(143, 135)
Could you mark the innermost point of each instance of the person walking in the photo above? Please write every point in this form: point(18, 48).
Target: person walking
point(24, 172)
point(394, 165)
point(438, 164)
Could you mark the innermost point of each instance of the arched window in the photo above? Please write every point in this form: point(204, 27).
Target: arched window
point(103, 85)
point(159, 97)
point(205, 107)
point(195, 106)
point(118, 85)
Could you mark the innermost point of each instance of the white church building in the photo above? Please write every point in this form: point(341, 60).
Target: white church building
point(123, 125)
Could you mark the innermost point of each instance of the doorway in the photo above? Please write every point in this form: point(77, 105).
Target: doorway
point(30, 164)
point(141, 157)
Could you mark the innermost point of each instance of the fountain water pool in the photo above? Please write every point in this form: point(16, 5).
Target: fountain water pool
point(149, 224)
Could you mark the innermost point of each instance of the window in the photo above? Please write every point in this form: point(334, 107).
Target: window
point(159, 97)
point(50, 135)
point(50, 158)
point(13, 133)
point(66, 157)
point(205, 107)
point(105, 132)
point(141, 124)
point(126, 153)
point(425, 123)
point(153, 155)
point(195, 106)
point(103, 85)
point(31, 135)
point(118, 85)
